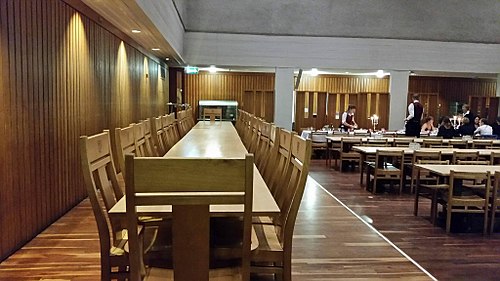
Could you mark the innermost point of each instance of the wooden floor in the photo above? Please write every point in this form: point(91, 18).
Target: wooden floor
point(330, 243)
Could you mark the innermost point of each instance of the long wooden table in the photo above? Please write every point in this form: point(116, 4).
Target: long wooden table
point(338, 139)
point(211, 140)
point(445, 170)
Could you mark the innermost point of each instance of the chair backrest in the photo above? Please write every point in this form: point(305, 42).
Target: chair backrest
point(295, 181)
point(377, 142)
point(473, 162)
point(465, 155)
point(425, 155)
point(170, 181)
point(263, 149)
point(347, 143)
point(403, 142)
point(281, 162)
point(385, 157)
point(456, 179)
point(482, 143)
point(158, 136)
point(318, 137)
point(142, 138)
point(495, 158)
point(458, 143)
point(433, 162)
point(99, 174)
point(269, 165)
point(124, 144)
point(432, 141)
point(255, 134)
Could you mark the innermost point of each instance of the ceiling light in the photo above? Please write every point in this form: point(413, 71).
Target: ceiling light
point(347, 72)
point(167, 59)
point(314, 72)
point(136, 31)
point(380, 74)
point(155, 49)
point(212, 69)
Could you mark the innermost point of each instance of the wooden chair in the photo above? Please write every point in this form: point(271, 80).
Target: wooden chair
point(270, 165)
point(465, 156)
point(495, 158)
point(212, 114)
point(473, 162)
point(124, 144)
point(263, 149)
point(402, 142)
point(419, 155)
point(427, 142)
point(458, 143)
point(254, 136)
point(495, 200)
point(171, 182)
point(347, 154)
point(458, 203)
point(274, 253)
point(432, 189)
point(319, 142)
point(376, 142)
point(386, 168)
point(482, 144)
point(171, 131)
point(158, 137)
point(281, 162)
point(99, 174)
point(142, 140)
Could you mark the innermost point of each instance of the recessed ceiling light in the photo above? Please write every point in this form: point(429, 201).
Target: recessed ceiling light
point(167, 59)
point(155, 49)
point(212, 69)
point(314, 72)
point(347, 72)
point(136, 31)
point(380, 73)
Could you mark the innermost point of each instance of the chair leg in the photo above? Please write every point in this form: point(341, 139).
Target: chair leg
point(485, 223)
point(434, 207)
point(492, 220)
point(415, 206)
point(448, 219)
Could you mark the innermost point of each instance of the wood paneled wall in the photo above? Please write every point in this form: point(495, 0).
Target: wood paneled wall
point(61, 76)
point(449, 90)
point(226, 86)
point(329, 96)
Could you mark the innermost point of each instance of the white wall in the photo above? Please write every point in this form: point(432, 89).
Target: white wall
point(340, 53)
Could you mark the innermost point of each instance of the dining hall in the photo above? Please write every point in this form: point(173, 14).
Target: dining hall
point(249, 140)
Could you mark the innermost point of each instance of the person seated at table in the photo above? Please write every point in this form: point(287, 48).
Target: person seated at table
point(496, 127)
point(476, 121)
point(467, 128)
point(446, 130)
point(428, 125)
point(348, 123)
point(483, 129)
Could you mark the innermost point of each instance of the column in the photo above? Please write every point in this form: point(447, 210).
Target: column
point(283, 97)
point(398, 92)
point(498, 85)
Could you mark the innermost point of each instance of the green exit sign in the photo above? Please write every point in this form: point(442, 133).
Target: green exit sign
point(191, 70)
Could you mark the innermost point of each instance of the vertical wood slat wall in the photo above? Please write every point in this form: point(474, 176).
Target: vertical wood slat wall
point(61, 76)
point(370, 95)
point(225, 86)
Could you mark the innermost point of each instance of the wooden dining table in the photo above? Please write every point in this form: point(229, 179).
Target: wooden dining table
point(372, 150)
point(211, 140)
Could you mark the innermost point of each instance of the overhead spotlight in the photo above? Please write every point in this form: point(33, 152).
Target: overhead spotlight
point(314, 72)
point(380, 73)
point(136, 31)
point(155, 49)
point(212, 69)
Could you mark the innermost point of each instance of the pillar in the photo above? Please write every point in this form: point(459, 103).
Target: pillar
point(398, 92)
point(283, 97)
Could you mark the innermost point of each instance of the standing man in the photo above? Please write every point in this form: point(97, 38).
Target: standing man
point(415, 113)
point(467, 113)
point(348, 122)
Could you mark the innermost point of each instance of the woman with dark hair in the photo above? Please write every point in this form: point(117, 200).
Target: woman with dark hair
point(428, 125)
point(467, 128)
point(446, 130)
point(476, 121)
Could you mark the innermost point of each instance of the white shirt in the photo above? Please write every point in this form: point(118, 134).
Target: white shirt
point(344, 117)
point(411, 111)
point(484, 130)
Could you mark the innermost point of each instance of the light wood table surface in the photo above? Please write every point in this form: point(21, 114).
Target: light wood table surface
point(211, 140)
point(338, 139)
point(445, 170)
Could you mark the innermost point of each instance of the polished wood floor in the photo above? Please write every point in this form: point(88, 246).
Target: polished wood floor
point(330, 243)
point(456, 256)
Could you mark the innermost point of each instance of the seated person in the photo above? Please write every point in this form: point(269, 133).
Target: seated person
point(428, 125)
point(476, 121)
point(467, 129)
point(446, 130)
point(496, 127)
point(483, 129)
